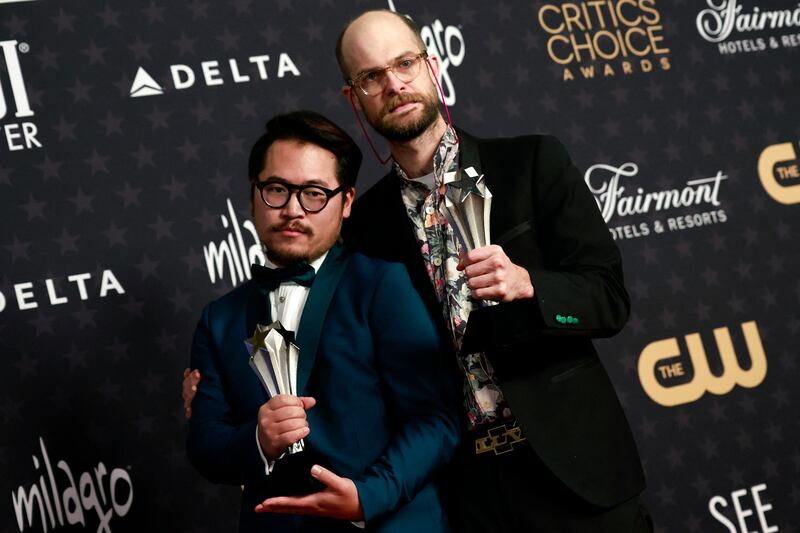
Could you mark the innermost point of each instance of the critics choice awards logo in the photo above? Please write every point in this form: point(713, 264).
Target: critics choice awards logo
point(603, 38)
point(779, 171)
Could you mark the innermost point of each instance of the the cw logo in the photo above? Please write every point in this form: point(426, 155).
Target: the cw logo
point(9, 52)
point(703, 380)
point(780, 159)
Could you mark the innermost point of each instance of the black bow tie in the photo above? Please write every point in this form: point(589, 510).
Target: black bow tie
point(268, 279)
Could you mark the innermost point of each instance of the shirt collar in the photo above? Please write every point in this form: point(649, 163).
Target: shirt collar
point(315, 264)
point(447, 142)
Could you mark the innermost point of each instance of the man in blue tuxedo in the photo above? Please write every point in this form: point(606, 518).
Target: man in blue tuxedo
point(376, 399)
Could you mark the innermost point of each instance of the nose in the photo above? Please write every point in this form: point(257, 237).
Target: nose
point(293, 209)
point(393, 83)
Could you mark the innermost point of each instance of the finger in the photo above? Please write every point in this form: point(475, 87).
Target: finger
point(288, 413)
point(482, 282)
point(186, 372)
point(326, 477)
point(187, 412)
point(476, 255)
point(284, 400)
point(289, 504)
point(489, 265)
point(308, 402)
point(494, 292)
point(287, 438)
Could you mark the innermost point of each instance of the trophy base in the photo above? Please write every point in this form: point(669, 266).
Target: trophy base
point(292, 475)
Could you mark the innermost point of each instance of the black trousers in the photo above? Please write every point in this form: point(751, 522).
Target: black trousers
point(516, 492)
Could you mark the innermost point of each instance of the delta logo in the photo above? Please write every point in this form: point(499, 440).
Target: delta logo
point(214, 72)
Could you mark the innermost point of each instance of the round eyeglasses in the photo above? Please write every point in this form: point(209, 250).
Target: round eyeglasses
point(312, 198)
point(405, 69)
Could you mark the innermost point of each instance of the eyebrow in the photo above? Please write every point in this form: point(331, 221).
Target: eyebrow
point(312, 181)
point(407, 53)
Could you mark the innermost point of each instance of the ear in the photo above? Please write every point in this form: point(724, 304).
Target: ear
point(434, 66)
point(351, 96)
point(349, 196)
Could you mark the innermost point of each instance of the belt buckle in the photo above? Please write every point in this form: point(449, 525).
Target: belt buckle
point(500, 440)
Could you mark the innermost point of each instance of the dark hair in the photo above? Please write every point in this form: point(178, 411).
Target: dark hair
point(308, 127)
point(406, 20)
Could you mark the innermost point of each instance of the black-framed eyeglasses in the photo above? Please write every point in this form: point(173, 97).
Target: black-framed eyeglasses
point(406, 69)
point(312, 198)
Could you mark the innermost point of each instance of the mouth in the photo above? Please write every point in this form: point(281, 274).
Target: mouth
point(290, 231)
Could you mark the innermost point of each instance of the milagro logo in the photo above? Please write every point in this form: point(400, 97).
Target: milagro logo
point(57, 500)
point(605, 183)
point(16, 135)
point(214, 72)
point(724, 20)
point(231, 257)
point(446, 43)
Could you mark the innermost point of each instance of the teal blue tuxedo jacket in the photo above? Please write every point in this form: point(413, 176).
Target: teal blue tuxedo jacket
point(386, 397)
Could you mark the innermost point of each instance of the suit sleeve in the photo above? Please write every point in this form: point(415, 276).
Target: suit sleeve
point(421, 393)
point(578, 284)
point(222, 448)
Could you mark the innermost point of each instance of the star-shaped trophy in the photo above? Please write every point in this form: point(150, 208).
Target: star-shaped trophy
point(469, 204)
point(274, 357)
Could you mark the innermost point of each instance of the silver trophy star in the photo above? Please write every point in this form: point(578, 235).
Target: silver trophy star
point(468, 203)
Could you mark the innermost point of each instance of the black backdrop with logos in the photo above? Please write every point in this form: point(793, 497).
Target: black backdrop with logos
point(124, 131)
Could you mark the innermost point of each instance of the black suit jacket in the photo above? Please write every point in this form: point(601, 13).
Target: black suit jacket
point(547, 222)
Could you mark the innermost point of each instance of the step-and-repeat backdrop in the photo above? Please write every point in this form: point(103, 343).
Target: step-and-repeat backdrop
point(124, 131)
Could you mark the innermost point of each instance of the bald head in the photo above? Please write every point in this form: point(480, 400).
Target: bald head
point(372, 28)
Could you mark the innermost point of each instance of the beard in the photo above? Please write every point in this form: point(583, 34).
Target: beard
point(283, 255)
point(411, 130)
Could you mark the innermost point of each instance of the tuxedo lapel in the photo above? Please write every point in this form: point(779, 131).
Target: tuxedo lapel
point(319, 298)
point(258, 310)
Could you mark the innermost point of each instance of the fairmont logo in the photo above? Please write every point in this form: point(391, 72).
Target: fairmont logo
point(724, 19)
point(56, 500)
point(16, 135)
point(213, 73)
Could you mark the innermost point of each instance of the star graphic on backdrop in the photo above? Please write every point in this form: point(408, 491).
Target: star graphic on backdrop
point(65, 130)
point(80, 92)
point(5, 175)
point(115, 235)
point(313, 31)
point(744, 439)
point(185, 45)
point(152, 383)
point(140, 49)
point(736, 475)
point(778, 106)
point(158, 118)
point(746, 110)
point(143, 156)
point(637, 325)
point(162, 228)
point(109, 17)
point(189, 150)
point(198, 8)
point(721, 82)
point(646, 123)
point(272, 35)
point(675, 457)
point(688, 86)
point(111, 123)
point(577, 133)
point(15, 25)
point(202, 113)
point(667, 318)
point(76, 357)
point(67, 241)
point(641, 289)
point(110, 390)
point(129, 195)
point(34, 208)
point(97, 162)
point(147, 266)
point(10, 410)
point(757, 203)
point(710, 447)
point(63, 21)
point(175, 188)
point(119, 349)
point(768, 295)
point(285, 5)
point(154, 13)
point(289, 101)
point(42, 323)
point(684, 420)
point(228, 40)
point(94, 53)
point(655, 90)
point(18, 249)
point(776, 263)
point(85, 317)
point(717, 411)
point(784, 74)
point(167, 341)
point(221, 182)
point(503, 11)
point(710, 276)
point(494, 44)
point(680, 118)
point(193, 260)
point(611, 127)
point(332, 98)
point(27, 366)
point(736, 303)
point(750, 236)
point(242, 7)
point(234, 144)
point(207, 221)
point(780, 396)
point(549, 104)
point(531, 40)
point(706, 146)
point(134, 308)
point(702, 311)
point(701, 486)
point(82, 201)
point(144, 424)
point(47, 58)
point(511, 107)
